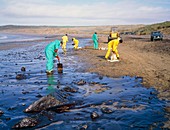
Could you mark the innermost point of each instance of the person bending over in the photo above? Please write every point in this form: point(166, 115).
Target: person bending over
point(51, 51)
point(75, 43)
point(112, 46)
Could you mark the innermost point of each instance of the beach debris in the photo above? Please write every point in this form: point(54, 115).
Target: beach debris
point(1, 112)
point(39, 96)
point(40, 57)
point(81, 82)
point(8, 118)
point(12, 108)
point(62, 108)
point(94, 115)
point(82, 127)
point(167, 109)
point(24, 92)
point(103, 48)
point(153, 93)
point(44, 116)
point(106, 110)
point(100, 77)
point(25, 123)
point(69, 89)
point(79, 48)
point(20, 76)
point(43, 103)
point(23, 69)
point(23, 104)
point(94, 83)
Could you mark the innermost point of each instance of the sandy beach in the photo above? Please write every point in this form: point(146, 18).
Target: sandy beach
point(142, 62)
point(139, 57)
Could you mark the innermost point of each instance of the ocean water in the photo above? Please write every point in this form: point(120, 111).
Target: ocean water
point(7, 37)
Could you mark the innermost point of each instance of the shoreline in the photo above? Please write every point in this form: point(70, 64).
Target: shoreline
point(48, 38)
point(137, 59)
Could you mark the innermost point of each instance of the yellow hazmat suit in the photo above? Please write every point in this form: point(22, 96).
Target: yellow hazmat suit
point(65, 40)
point(76, 43)
point(112, 45)
point(114, 35)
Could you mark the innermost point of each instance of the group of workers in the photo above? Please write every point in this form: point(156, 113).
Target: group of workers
point(65, 40)
point(51, 49)
point(112, 45)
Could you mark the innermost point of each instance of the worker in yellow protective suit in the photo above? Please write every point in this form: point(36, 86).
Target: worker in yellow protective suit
point(75, 43)
point(112, 46)
point(65, 40)
point(114, 35)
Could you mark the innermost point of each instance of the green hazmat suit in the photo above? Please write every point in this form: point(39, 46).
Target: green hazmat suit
point(95, 40)
point(50, 53)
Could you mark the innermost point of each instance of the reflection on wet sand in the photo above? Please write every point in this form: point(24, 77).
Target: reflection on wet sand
point(51, 84)
point(72, 100)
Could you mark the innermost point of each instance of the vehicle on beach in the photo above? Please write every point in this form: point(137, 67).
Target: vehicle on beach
point(156, 35)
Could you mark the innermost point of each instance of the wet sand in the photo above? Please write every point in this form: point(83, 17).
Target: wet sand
point(101, 102)
point(137, 55)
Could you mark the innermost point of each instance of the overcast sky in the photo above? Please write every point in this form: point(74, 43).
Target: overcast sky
point(83, 12)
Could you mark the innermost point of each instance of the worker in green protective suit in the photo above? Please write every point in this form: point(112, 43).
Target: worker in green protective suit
point(95, 40)
point(75, 43)
point(112, 46)
point(51, 51)
point(65, 40)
